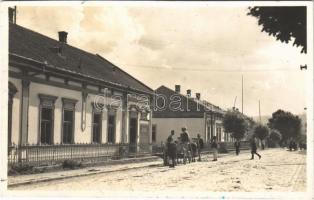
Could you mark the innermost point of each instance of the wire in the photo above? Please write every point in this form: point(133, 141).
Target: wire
point(155, 67)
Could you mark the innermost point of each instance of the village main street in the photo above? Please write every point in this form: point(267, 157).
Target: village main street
point(278, 170)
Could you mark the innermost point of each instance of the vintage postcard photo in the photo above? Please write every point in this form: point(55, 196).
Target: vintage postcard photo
point(157, 99)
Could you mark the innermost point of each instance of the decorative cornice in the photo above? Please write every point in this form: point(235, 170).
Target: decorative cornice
point(43, 97)
point(68, 100)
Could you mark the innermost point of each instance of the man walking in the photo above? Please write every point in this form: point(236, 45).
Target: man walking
point(254, 148)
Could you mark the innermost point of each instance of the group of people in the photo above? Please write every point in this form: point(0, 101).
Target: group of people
point(185, 141)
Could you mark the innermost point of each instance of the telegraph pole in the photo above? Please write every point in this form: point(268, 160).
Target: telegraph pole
point(259, 111)
point(242, 94)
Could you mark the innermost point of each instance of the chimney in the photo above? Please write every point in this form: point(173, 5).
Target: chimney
point(12, 15)
point(63, 36)
point(177, 88)
point(188, 92)
point(198, 96)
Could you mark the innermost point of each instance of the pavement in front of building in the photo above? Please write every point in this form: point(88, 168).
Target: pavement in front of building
point(127, 164)
point(278, 170)
point(133, 163)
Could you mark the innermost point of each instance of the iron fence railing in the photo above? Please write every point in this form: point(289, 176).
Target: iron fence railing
point(51, 154)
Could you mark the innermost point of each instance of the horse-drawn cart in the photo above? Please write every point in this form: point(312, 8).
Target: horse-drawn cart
point(182, 153)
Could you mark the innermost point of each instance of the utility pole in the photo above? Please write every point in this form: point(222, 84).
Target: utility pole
point(242, 94)
point(235, 100)
point(259, 111)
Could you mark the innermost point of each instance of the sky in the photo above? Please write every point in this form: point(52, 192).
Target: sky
point(203, 48)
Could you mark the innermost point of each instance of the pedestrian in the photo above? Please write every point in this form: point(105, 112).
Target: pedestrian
point(171, 149)
point(254, 148)
point(214, 147)
point(165, 152)
point(185, 141)
point(200, 146)
point(290, 144)
point(185, 138)
point(263, 145)
point(237, 147)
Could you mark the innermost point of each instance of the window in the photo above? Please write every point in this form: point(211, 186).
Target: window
point(46, 119)
point(154, 132)
point(12, 92)
point(97, 127)
point(68, 120)
point(111, 126)
point(46, 126)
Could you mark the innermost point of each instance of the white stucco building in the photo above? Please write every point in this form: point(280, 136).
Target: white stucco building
point(53, 88)
point(174, 110)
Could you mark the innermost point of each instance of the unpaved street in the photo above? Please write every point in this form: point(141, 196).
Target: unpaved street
point(278, 170)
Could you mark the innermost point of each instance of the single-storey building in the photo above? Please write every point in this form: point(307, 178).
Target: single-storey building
point(174, 110)
point(62, 95)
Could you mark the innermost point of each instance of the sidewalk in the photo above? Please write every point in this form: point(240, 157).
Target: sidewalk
point(134, 163)
point(122, 165)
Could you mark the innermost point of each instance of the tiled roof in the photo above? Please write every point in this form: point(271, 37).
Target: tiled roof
point(190, 107)
point(35, 46)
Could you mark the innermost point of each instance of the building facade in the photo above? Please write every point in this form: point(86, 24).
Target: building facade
point(62, 95)
point(174, 110)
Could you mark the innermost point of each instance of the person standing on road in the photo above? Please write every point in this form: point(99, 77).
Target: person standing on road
point(237, 147)
point(200, 146)
point(254, 148)
point(214, 147)
point(171, 149)
point(185, 138)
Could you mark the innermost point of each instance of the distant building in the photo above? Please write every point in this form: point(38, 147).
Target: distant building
point(174, 110)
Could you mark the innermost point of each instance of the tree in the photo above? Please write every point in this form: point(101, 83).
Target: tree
point(235, 124)
point(284, 23)
point(261, 132)
point(286, 123)
point(275, 137)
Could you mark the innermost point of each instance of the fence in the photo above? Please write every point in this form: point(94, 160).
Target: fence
point(37, 155)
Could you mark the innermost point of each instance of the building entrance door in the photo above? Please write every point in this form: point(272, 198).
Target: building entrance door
point(133, 134)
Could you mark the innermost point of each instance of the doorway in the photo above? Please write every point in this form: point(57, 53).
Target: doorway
point(133, 134)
